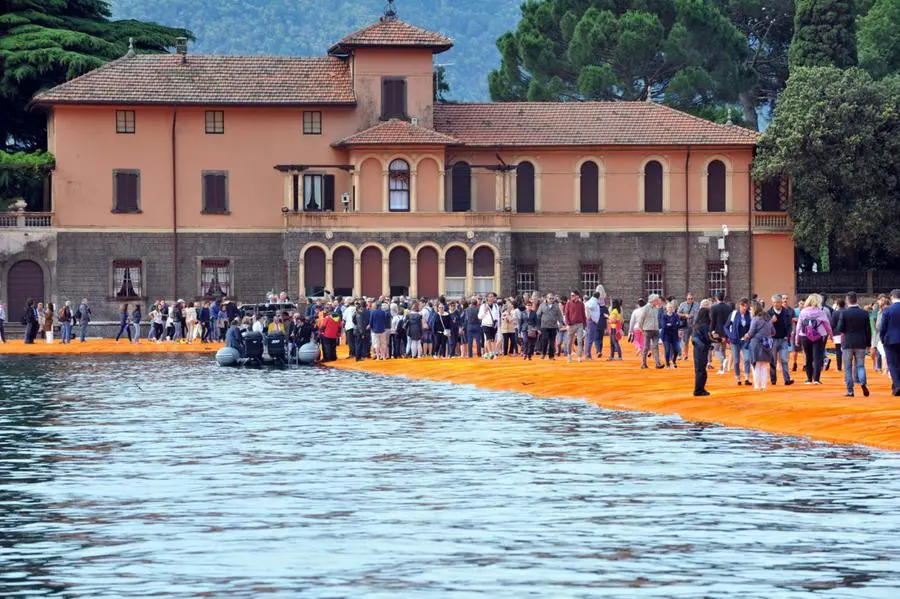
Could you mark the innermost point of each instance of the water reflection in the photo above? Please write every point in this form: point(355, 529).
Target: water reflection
point(170, 477)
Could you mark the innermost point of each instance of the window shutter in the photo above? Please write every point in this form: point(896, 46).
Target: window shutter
point(208, 194)
point(126, 192)
point(214, 192)
point(329, 192)
point(401, 98)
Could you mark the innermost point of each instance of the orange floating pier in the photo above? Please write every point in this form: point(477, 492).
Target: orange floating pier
point(816, 411)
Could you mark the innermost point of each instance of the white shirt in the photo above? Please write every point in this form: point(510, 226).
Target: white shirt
point(349, 317)
point(489, 315)
point(258, 327)
point(592, 309)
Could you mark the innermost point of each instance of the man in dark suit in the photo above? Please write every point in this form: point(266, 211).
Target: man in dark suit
point(853, 325)
point(890, 338)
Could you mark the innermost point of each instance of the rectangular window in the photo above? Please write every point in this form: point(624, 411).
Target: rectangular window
point(312, 123)
point(124, 121)
point(716, 279)
point(126, 191)
point(127, 279)
point(590, 278)
point(215, 122)
point(215, 278)
point(393, 98)
point(215, 192)
point(654, 279)
point(526, 283)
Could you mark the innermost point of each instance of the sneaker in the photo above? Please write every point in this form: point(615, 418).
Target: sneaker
point(721, 371)
point(789, 383)
point(643, 366)
point(794, 369)
point(702, 394)
point(817, 382)
point(747, 383)
point(675, 365)
point(865, 390)
point(849, 395)
point(808, 383)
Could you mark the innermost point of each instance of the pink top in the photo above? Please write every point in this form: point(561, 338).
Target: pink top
point(817, 314)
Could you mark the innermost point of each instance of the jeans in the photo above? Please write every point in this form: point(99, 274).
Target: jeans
point(739, 348)
point(781, 352)
point(362, 345)
point(474, 335)
point(594, 339)
point(854, 367)
point(178, 331)
point(815, 354)
point(84, 330)
point(548, 342)
point(65, 332)
point(124, 328)
point(530, 342)
point(701, 359)
point(671, 348)
point(651, 343)
point(137, 332)
point(892, 356)
point(351, 341)
point(614, 346)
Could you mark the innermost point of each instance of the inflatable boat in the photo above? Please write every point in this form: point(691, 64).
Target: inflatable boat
point(266, 350)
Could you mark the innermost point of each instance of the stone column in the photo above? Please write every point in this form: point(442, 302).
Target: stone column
point(385, 274)
point(442, 191)
point(385, 174)
point(413, 276)
point(357, 276)
point(470, 276)
point(355, 197)
point(442, 269)
point(301, 277)
point(413, 201)
point(498, 264)
point(329, 274)
point(499, 199)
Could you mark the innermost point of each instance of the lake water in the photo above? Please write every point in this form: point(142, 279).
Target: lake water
point(170, 477)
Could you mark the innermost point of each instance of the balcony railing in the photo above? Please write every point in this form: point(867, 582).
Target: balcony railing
point(772, 222)
point(394, 220)
point(26, 220)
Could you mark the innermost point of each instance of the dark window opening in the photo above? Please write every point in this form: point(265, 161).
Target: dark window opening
point(126, 191)
point(215, 193)
point(393, 99)
point(127, 279)
point(653, 187)
point(715, 187)
point(525, 187)
point(590, 187)
point(462, 187)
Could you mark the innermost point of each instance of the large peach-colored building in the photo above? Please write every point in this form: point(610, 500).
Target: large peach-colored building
point(188, 175)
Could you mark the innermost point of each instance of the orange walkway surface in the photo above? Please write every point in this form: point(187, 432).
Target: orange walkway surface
point(104, 346)
point(818, 411)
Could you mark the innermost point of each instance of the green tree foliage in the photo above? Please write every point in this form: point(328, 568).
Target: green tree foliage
point(45, 42)
point(824, 34)
point(22, 175)
point(309, 27)
point(836, 133)
point(879, 38)
point(767, 26)
point(683, 51)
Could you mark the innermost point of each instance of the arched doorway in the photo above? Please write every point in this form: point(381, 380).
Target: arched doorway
point(455, 271)
point(342, 265)
point(398, 271)
point(483, 267)
point(371, 272)
point(427, 272)
point(314, 272)
point(24, 281)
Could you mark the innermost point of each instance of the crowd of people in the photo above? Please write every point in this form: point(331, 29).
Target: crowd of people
point(751, 338)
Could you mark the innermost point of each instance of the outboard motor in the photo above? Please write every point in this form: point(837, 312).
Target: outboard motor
point(253, 345)
point(276, 344)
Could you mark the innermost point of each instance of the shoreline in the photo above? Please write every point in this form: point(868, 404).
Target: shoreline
point(816, 412)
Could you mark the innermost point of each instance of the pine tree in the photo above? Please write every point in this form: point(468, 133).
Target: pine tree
point(824, 34)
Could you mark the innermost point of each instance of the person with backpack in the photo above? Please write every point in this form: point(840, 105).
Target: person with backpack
point(736, 328)
point(65, 322)
point(760, 346)
point(813, 331)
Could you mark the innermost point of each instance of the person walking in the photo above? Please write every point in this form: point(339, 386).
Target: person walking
point(330, 334)
point(472, 328)
point(124, 325)
point(703, 338)
point(736, 328)
point(3, 317)
point(687, 312)
point(635, 334)
point(84, 319)
point(136, 324)
point(597, 319)
point(671, 327)
point(30, 320)
point(65, 322)
point(813, 331)
point(856, 338)
point(550, 318)
point(615, 322)
point(489, 315)
point(782, 318)
point(576, 318)
point(531, 327)
point(890, 339)
point(649, 324)
point(760, 345)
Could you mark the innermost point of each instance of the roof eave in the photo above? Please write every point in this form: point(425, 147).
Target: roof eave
point(45, 102)
point(346, 48)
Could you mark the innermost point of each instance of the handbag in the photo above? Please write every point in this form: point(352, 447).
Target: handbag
point(49, 336)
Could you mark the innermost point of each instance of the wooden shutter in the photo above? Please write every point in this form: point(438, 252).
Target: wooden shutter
point(329, 192)
point(715, 187)
point(126, 192)
point(653, 187)
point(525, 187)
point(214, 189)
point(393, 98)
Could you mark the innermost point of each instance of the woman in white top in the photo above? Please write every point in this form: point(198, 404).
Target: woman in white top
point(190, 316)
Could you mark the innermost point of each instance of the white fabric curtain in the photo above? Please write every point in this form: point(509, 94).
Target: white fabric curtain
point(313, 196)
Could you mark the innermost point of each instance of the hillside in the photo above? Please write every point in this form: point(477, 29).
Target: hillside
point(308, 27)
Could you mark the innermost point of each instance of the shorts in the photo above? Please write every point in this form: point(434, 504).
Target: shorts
point(490, 333)
point(427, 337)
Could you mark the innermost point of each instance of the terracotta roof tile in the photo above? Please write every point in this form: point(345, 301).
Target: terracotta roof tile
point(209, 80)
point(392, 33)
point(581, 124)
point(398, 133)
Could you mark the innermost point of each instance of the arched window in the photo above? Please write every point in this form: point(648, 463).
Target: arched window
point(462, 187)
point(590, 187)
point(653, 187)
point(715, 186)
point(525, 187)
point(398, 186)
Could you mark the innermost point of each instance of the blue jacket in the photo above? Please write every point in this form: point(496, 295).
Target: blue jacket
point(669, 326)
point(890, 325)
point(380, 321)
point(136, 316)
point(738, 325)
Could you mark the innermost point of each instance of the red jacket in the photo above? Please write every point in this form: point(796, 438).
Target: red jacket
point(332, 328)
point(575, 313)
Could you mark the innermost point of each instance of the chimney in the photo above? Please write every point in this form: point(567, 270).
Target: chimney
point(181, 45)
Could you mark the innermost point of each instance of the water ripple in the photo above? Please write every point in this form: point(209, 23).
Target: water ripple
point(169, 477)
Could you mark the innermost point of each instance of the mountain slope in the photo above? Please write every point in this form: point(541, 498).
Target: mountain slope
point(309, 27)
